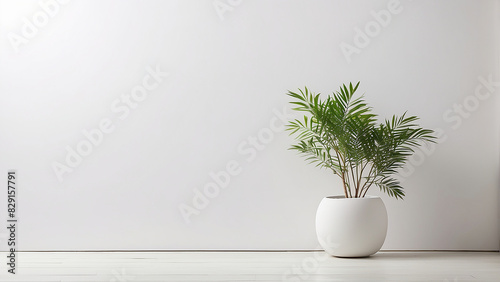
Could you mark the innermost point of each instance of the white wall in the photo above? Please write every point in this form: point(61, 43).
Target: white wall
point(228, 74)
point(498, 100)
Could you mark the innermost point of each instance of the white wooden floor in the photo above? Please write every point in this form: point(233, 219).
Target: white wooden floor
point(252, 266)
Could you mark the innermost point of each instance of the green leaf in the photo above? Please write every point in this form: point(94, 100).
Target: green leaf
point(341, 133)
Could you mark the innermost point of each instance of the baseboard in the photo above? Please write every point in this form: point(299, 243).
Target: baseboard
point(228, 251)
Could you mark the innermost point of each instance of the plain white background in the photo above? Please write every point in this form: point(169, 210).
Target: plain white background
point(229, 65)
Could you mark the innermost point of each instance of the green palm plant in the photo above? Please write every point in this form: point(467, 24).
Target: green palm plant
point(342, 134)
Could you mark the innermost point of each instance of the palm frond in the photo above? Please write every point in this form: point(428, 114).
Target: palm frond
point(341, 133)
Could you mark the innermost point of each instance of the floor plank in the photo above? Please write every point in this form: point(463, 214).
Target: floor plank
point(251, 266)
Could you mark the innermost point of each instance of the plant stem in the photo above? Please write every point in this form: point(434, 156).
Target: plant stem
point(368, 177)
point(361, 176)
point(365, 192)
point(354, 184)
point(341, 165)
point(361, 168)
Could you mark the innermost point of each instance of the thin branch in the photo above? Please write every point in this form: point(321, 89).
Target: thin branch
point(343, 174)
point(368, 177)
point(354, 181)
point(361, 174)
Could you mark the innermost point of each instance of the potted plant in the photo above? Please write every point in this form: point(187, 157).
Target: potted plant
point(341, 133)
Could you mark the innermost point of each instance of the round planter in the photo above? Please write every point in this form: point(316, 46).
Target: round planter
point(351, 227)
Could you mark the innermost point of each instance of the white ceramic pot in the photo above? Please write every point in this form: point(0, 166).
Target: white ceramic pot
point(351, 227)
